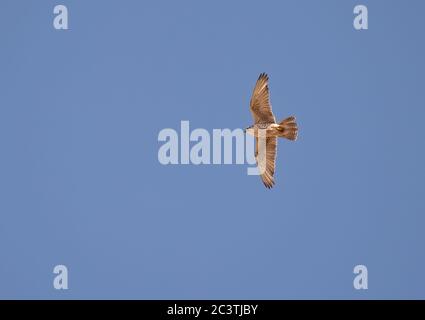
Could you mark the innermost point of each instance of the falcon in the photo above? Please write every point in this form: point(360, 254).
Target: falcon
point(265, 126)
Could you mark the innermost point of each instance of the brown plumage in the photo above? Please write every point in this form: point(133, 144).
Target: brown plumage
point(264, 119)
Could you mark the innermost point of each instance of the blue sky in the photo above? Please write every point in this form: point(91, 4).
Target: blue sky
point(81, 185)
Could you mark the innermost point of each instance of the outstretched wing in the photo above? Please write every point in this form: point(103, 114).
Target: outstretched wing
point(260, 103)
point(270, 161)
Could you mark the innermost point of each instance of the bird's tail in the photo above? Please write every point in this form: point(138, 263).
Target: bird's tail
point(288, 128)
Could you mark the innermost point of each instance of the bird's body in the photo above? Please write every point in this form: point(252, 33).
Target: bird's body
point(271, 129)
point(265, 126)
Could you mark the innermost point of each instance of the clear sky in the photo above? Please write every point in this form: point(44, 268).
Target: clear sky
point(80, 181)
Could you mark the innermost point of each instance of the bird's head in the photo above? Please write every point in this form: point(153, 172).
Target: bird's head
point(249, 130)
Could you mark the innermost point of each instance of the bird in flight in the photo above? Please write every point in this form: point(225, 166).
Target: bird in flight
point(265, 126)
